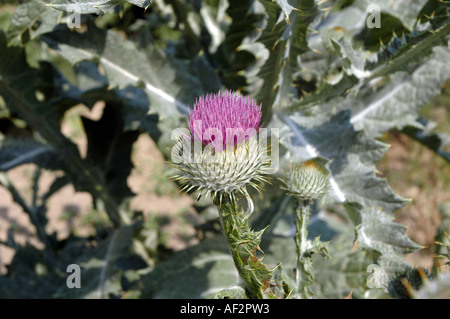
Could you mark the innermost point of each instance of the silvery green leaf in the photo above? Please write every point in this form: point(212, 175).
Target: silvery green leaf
point(396, 103)
point(15, 152)
point(236, 292)
point(93, 6)
point(378, 231)
point(405, 10)
point(356, 58)
point(27, 16)
point(405, 75)
point(286, 7)
point(285, 42)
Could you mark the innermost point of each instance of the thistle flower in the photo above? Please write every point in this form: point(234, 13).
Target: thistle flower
point(203, 161)
point(225, 118)
point(307, 180)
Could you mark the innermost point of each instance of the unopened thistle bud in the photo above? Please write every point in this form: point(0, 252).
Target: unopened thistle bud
point(307, 180)
point(222, 154)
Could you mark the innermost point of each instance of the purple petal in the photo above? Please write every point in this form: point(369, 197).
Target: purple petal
point(225, 118)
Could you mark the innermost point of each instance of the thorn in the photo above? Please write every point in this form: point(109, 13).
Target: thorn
point(408, 286)
point(422, 275)
point(349, 295)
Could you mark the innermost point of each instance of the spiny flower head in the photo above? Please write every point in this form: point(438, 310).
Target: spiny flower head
point(204, 164)
point(235, 117)
point(216, 173)
point(307, 180)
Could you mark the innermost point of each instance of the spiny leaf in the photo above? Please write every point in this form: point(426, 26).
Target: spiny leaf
point(285, 42)
point(27, 16)
point(236, 292)
point(406, 56)
point(377, 231)
point(356, 61)
point(405, 10)
point(239, 54)
point(16, 87)
point(397, 104)
point(286, 7)
point(414, 53)
point(93, 6)
point(15, 152)
point(324, 93)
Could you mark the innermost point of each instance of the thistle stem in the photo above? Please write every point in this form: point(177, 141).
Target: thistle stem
point(303, 274)
point(243, 244)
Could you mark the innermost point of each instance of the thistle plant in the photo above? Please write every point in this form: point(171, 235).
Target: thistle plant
point(330, 84)
point(219, 158)
point(306, 182)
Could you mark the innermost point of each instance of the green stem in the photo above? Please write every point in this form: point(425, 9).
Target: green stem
point(243, 243)
point(303, 274)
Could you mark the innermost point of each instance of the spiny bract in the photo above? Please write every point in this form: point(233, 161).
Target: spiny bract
point(307, 180)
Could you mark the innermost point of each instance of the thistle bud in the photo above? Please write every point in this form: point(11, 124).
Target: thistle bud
point(307, 180)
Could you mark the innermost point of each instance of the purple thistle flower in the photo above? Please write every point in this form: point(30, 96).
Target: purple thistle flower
point(225, 118)
point(222, 119)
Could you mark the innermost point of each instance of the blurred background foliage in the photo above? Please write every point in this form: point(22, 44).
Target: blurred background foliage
point(87, 113)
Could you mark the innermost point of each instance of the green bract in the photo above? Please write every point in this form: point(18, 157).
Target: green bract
point(307, 180)
point(215, 173)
